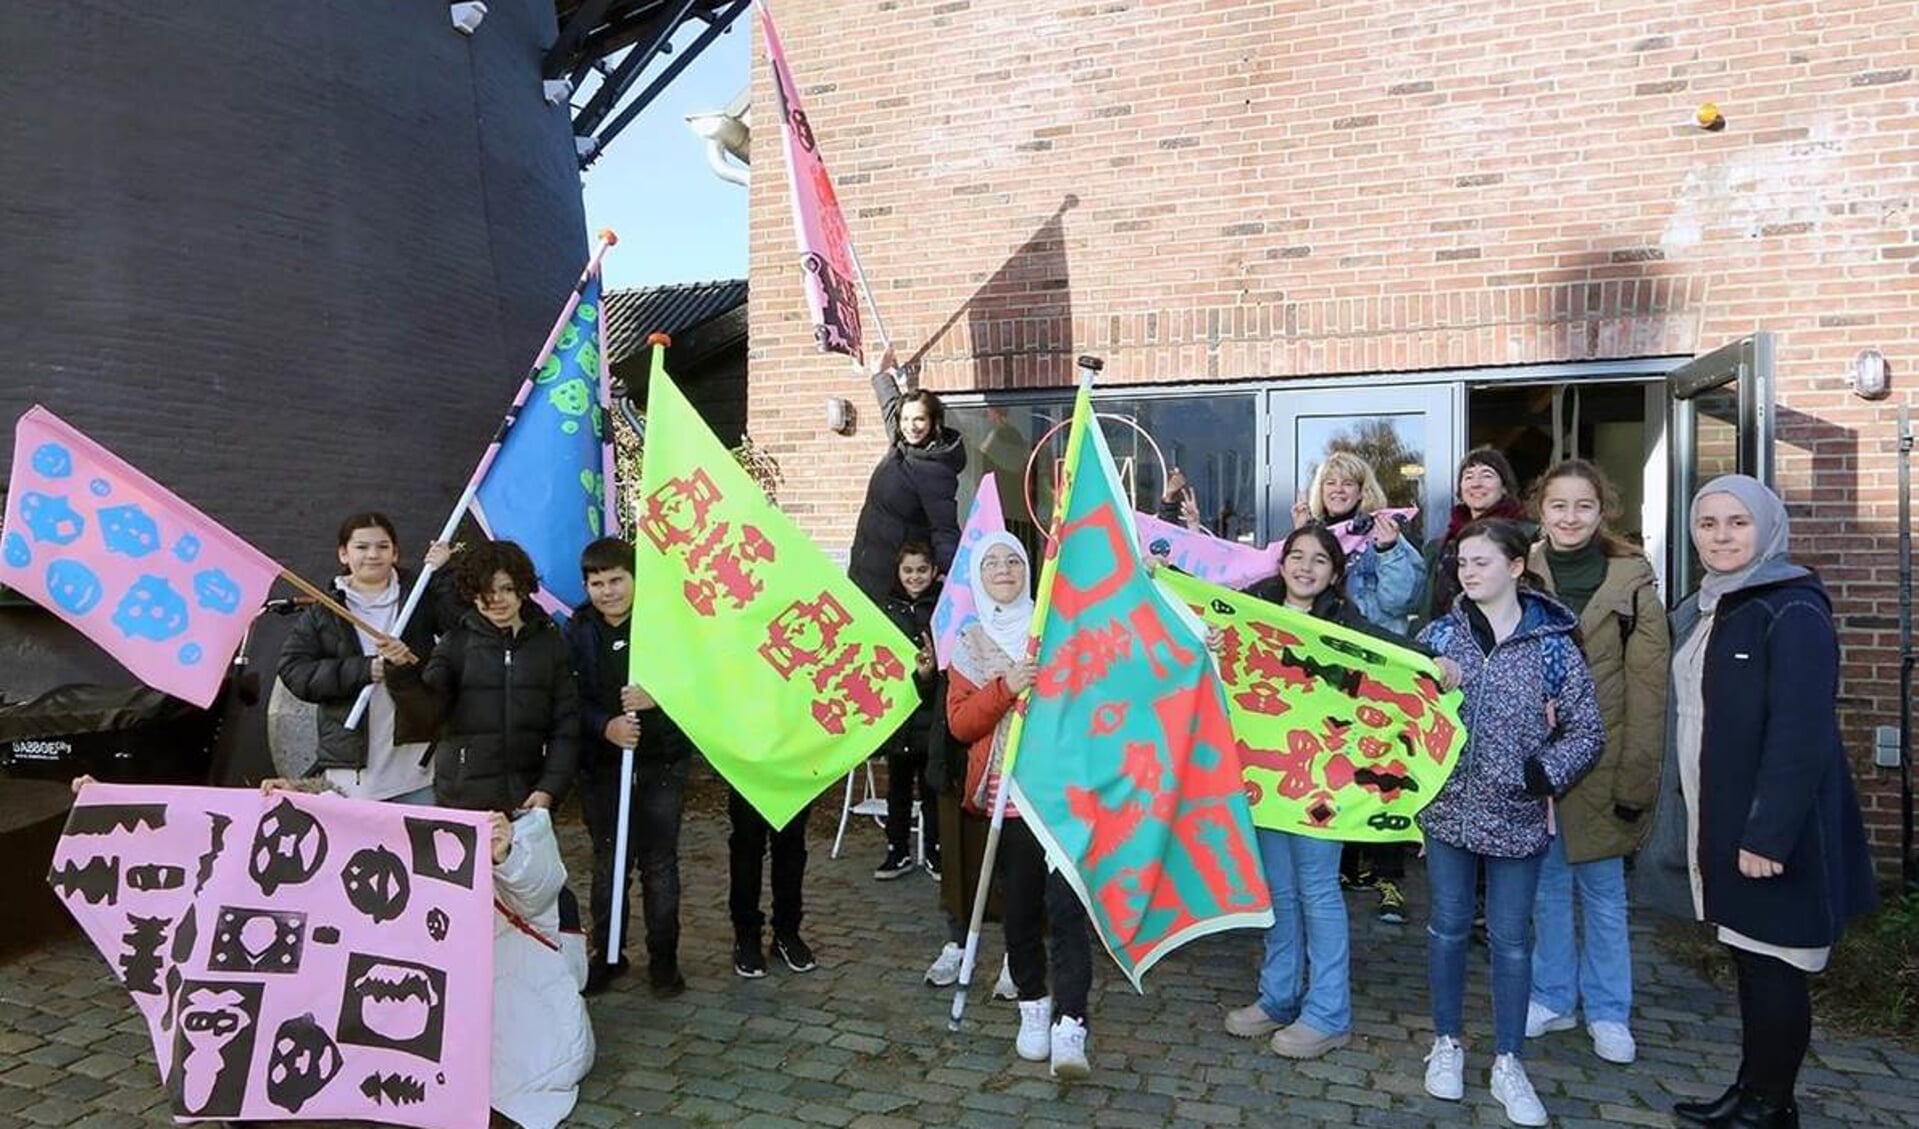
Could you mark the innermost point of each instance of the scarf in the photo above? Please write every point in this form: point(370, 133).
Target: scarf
point(1769, 564)
point(1007, 625)
point(1506, 509)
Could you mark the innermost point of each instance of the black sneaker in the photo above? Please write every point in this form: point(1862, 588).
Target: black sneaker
point(600, 976)
point(748, 961)
point(898, 864)
point(1392, 903)
point(665, 978)
point(794, 952)
point(932, 863)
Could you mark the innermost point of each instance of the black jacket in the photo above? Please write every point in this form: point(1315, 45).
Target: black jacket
point(1773, 774)
point(914, 618)
point(589, 638)
point(912, 496)
point(510, 712)
point(1334, 606)
point(321, 662)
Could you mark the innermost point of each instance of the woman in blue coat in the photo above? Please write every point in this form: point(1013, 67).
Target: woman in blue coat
point(1776, 853)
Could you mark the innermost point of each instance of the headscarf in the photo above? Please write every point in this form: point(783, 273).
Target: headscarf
point(1769, 564)
point(1005, 624)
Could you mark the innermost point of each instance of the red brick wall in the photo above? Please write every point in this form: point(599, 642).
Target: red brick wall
point(1216, 191)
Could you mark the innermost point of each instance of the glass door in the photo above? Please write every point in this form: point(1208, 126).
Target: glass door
point(1721, 423)
point(1409, 435)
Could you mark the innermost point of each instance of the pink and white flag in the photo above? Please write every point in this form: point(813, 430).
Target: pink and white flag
point(157, 584)
point(955, 608)
point(826, 250)
point(294, 956)
point(1215, 559)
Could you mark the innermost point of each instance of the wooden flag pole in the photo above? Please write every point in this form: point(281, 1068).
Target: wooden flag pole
point(331, 604)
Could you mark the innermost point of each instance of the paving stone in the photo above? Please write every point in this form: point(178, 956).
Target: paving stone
point(860, 1043)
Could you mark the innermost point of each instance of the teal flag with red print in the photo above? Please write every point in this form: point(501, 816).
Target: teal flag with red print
point(1123, 763)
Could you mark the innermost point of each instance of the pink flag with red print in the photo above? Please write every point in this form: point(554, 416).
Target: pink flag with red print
point(294, 956)
point(157, 584)
point(955, 607)
point(826, 250)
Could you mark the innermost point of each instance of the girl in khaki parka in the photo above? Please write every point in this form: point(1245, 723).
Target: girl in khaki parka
point(1610, 585)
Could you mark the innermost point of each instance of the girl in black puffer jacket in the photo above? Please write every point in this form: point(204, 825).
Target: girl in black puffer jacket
point(502, 680)
point(914, 492)
point(910, 607)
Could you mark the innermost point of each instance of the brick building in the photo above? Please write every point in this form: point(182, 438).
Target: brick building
point(1421, 226)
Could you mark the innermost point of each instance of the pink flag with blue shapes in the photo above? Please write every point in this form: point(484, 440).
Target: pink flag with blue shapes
point(955, 607)
point(157, 584)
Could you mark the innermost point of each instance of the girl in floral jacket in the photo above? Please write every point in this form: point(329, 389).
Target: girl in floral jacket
point(1533, 728)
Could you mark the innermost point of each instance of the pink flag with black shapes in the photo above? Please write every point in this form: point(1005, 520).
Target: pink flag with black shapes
point(157, 584)
point(295, 956)
point(1215, 559)
point(955, 607)
point(826, 250)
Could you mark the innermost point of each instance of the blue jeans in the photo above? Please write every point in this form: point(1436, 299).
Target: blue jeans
point(1451, 874)
point(1597, 972)
point(419, 797)
point(1309, 928)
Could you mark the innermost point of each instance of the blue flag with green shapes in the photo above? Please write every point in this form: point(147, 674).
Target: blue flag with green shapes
point(547, 487)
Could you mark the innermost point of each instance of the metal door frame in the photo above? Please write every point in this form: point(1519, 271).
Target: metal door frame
point(1747, 364)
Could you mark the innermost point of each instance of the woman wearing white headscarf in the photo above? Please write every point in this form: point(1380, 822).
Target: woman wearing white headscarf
point(1776, 853)
point(989, 673)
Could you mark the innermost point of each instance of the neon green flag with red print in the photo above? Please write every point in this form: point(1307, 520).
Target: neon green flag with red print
point(1341, 734)
point(1122, 763)
point(782, 672)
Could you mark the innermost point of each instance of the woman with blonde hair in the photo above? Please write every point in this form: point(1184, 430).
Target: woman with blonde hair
point(1382, 567)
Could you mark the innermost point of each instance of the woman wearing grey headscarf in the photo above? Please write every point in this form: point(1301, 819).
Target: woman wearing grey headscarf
point(1776, 853)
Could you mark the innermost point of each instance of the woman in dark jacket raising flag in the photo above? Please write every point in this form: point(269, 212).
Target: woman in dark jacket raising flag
point(914, 492)
point(1776, 853)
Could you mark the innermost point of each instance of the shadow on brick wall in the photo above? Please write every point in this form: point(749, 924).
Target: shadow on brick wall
point(1020, 321)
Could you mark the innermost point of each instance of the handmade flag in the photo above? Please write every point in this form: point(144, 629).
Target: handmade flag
point(294, 956)
point(546, 486)
point(1204, 555)
point(157, 584)
point(1353, 532)
point(1341, 734)
point(781, 671)
point(826, 250)
point(955, 607)
point(1122, 764)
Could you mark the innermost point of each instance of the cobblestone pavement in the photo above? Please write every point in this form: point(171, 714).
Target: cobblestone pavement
point(862, 1043)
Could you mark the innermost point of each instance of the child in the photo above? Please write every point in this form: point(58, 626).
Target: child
point(1610, 585)
point(327, 662)
point(503, 684)
point(617, 715)
point(1301, 871)
point(1532, 730)
point(990, 672)
point(910, 607)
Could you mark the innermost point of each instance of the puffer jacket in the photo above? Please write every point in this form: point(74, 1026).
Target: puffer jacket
point(1484, 807)
point(912, 496)
point(914, 618)
point(510, 710)
point(542, 1036)
point(322, 662)
point(1628, 650)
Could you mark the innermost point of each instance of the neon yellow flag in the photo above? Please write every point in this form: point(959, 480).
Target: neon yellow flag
point(782, 672)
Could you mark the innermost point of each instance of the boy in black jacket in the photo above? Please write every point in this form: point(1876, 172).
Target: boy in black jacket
point(615, 715)
point(910, 607)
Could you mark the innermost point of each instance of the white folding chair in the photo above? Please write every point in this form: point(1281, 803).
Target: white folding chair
point(873, 805)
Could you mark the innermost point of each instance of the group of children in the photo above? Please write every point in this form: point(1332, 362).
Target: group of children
point(519, 708)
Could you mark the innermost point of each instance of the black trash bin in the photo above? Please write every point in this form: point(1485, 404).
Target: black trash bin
point(118, 734)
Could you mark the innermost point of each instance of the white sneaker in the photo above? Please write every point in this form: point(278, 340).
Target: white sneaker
point(1004, 988)
point(1069, 1049)
point(1446, 1069)
point(945, 969)
point(1541, 1019)
point(1514, 1090)
point(1035, 1040)
point(1612, 1041)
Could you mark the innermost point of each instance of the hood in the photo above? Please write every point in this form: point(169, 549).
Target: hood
point(947, 447)
point(534, 615)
